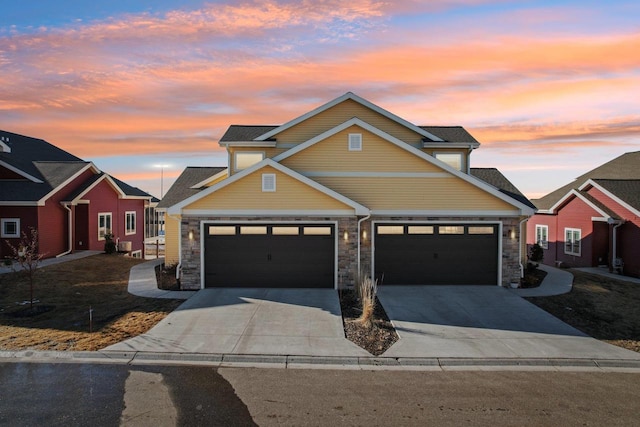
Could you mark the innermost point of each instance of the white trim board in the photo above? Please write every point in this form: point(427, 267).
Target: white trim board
point(358, 208)
point(20, 172)
point(609, 194)
point(349, 96)
point(525, 210)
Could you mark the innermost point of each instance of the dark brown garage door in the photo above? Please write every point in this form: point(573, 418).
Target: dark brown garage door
point(439, 254)
point(270, 256)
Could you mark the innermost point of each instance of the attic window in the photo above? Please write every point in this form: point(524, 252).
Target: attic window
point(245, 159)
point(452, 159)
point(268, 182)
point(355, 142)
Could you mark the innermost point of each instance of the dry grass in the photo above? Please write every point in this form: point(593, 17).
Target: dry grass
point(69, 290)
point(604, 308)
point(367, 289)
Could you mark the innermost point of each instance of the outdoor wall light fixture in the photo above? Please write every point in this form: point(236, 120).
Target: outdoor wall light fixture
point(512, 233)
point(364, 234)
point(190, 234)
point(346, 236)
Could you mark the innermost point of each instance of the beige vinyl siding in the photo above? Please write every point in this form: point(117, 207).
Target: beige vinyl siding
point(377, 155)
point(216, 181)
point(171, 240)
point(339, 114)
point(415, 193)
point(247, 193)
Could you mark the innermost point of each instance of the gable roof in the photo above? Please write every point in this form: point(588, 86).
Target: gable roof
point(359, 209)
point(46, 169)
point(510, 197)
point(353, 97)
point(627, 190)
point(182, 188)
point(624, 167)
point(592, 202)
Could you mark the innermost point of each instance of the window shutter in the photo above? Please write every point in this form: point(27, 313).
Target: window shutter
point(355, 142)
point(268, 182)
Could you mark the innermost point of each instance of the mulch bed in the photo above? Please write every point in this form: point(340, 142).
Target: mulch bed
point(532, 278)
point(377, 339)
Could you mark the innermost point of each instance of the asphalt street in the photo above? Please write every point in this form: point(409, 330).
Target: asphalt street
point(109, 395)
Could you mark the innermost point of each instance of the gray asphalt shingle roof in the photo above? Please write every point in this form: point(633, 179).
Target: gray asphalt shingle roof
point(628, 190)
point(181, 188)
point(45, 162)
point(624, 167)
point(240, 133)
point(494, 177)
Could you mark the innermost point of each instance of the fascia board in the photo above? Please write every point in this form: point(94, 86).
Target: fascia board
point(19, 203)
point(526, 210)
point(210, 179)
point(21, 172)
point(177, 208)
point(352, 96)
point(618, 200)
point(268, 144)
point(89, 165)
point(451, 145)
point(574, 193)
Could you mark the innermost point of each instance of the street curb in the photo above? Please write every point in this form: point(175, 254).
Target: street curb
point(316, 362)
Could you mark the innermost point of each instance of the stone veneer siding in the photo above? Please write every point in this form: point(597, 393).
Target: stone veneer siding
point(347, 249)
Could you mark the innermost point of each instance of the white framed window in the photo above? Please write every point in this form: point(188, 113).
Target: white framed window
point(104, 224)
point(130, 222)
point(452, 159)
point(268, 182)
point(10, 227)
point(355, 142)
point(572, 241)
point(542, 235)
point(246, 159)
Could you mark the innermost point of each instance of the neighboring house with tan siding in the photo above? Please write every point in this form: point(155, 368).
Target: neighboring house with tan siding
point(346, 187)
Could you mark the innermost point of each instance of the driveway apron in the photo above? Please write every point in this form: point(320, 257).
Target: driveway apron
point(482, 322)
point(305, 322)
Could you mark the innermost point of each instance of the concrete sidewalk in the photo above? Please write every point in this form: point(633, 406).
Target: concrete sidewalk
point(556, 282)
point(52, 261)
point(600, 271)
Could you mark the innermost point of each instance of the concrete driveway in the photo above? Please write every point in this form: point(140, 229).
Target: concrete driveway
point(305, 322)
point(482, 322)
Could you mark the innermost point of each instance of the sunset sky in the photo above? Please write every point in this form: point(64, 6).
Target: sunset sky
point(551, 89)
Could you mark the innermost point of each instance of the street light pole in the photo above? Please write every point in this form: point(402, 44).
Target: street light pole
point(161, 179)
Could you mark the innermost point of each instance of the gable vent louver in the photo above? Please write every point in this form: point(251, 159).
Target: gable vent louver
point(355, 142)
point(268, 182)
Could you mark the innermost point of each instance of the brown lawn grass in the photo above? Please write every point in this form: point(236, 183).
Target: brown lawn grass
point(604, 308)
point(71, 288)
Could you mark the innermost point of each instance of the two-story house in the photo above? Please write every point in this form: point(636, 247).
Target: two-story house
point(346, 187)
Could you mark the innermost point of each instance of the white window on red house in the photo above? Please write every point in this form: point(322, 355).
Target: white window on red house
point(130, 222)
point(104, 224)
point(572, 241)
point(542, 233)
point(10, 227)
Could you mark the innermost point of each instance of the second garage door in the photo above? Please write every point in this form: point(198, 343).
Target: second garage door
point(439, 254)
point(270, 255)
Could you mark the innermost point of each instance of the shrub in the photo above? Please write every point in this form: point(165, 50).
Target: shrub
point(536, 253)
point(109, 244)
point(28, 257)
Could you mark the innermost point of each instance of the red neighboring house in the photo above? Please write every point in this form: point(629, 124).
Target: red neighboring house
point(593, 221)
point(69, 201)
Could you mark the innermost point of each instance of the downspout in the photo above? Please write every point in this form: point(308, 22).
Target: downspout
point(359, 237)
point(70, 219)
point(179, 266)
point(615, 234)
point(520, 247)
